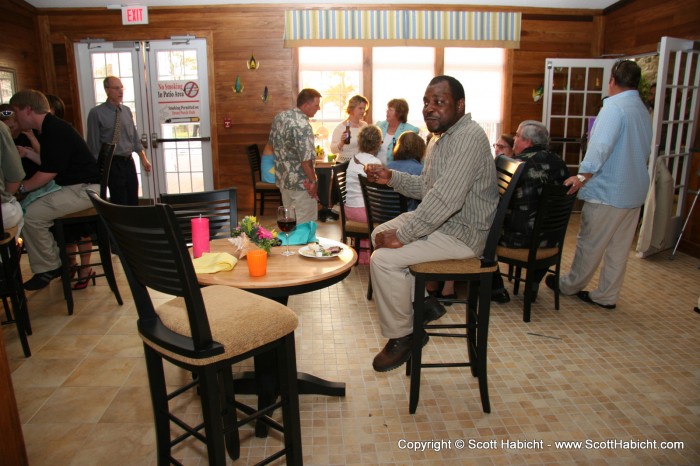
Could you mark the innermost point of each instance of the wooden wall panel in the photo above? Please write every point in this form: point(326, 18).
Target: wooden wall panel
point(543, 36)
point(20, 50)
point(636, 27)
point(234, 32)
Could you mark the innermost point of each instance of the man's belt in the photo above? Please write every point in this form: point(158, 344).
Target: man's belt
point(128, 156)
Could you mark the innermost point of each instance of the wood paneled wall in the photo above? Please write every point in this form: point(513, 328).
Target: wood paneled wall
point(20, 43)
point(635, 28)
point(234, 32)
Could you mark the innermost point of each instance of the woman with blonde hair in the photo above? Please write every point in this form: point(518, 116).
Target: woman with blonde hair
point(356, 110)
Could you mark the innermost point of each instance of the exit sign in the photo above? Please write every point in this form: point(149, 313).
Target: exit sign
point(134, 15)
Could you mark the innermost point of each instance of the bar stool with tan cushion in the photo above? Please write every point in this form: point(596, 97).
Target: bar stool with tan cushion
point(478, 272)
point(204, 331)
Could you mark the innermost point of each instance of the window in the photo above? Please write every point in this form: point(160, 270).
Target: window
point(480, 70)
point(335, 72)
point(7, 84)
point(401, 73)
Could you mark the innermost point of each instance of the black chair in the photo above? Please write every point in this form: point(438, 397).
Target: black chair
point(551, 222)
point(11, 285)
point(382, 204)
point(260, 188)
point(478, 272)
point(219, 206)
point(351, 229)
point(88, 222)
point(204, 331)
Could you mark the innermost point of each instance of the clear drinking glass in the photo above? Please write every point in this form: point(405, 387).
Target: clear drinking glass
point(286, 221)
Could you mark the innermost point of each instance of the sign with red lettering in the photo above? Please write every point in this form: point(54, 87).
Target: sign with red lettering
point(134, 15)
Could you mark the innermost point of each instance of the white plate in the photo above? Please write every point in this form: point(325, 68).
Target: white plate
point(307, 252)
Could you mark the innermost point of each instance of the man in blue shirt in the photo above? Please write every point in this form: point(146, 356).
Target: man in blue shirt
point(613, 181)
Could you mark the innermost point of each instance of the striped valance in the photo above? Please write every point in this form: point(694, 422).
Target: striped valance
point(402, 27)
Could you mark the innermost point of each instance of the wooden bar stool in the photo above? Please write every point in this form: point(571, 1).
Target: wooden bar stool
point(204, 331)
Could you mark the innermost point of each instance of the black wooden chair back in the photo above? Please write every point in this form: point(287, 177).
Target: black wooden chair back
point(220, 207)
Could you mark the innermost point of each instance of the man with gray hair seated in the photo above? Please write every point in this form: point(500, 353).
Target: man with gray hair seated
point(531, 145)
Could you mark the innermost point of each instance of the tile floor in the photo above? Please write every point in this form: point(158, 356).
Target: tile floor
point(578, 374)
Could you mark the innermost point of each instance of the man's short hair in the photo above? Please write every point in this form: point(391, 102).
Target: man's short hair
point(306, 96)
point(627, 74)
point(535, 131)
point(455, 86)
point(32, 98)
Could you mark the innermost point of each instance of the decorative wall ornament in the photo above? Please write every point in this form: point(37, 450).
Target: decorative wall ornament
point(238, 87)
point(538, 93)
point(252, 64)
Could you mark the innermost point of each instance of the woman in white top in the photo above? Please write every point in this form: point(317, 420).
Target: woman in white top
point(356, 110)
point(369, 142)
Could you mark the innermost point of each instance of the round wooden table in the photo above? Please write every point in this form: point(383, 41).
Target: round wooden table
point(286, 275)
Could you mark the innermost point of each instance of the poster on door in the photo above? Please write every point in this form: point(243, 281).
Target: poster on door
point(178, 101)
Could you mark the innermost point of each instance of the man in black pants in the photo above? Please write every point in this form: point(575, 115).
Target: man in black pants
point(112, 122)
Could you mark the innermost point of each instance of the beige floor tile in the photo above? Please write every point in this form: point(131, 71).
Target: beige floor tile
point(569, 375)
point(76, 405)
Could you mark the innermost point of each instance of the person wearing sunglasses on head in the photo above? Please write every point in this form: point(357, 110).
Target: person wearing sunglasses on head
point(26, 141)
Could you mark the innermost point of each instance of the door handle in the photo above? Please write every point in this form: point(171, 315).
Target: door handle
point(144, 140)
point(203, 139)
point(154, 140)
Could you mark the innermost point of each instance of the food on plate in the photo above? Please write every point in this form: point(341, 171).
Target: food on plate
point(324, 251)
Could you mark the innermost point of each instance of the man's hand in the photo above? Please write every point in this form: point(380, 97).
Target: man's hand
point(146, 164)
point(574, 184)
point(311, 188)
point(377, 173)
point(387, 239)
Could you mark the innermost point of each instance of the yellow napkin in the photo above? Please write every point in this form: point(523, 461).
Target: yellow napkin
point(214, 262)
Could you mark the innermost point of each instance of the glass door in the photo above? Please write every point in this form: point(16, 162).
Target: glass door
point(674, 123)
point(165, 85)
point(573, 93)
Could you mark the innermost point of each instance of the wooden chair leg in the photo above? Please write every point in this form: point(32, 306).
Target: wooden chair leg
point(211, 410)
point(159, 400)
point(287, 370)
point(482, 339)
point(417, 350)
point(228, 404)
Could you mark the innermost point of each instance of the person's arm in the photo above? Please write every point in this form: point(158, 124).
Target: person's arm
point(311, 183)
point(93, 132)
point(604, 135)
point(144, 161)
point(336, 139)
point(28, 152)
point(36, 147)
point(37, 181)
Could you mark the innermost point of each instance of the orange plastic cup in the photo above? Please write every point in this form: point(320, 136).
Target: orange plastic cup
point(257, 262)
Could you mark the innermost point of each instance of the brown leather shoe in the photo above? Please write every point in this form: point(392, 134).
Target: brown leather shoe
point(396, 352)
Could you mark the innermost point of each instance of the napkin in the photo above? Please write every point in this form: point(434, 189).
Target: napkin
point(304, 233)
point(214, 262)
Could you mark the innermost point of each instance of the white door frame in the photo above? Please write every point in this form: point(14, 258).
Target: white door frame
point(167, 144)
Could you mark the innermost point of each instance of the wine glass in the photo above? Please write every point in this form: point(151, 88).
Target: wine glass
point(286, 221)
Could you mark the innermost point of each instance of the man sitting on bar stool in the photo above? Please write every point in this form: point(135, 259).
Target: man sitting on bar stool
point(66, 159)
point(112, 123)
point(459, 196)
